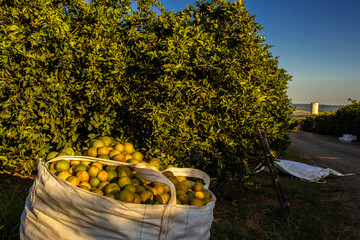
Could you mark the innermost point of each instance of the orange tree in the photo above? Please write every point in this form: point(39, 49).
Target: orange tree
point(346, 120)
point(188, 87)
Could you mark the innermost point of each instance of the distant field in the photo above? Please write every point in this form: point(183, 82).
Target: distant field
point(303, 110)
point(300, 114)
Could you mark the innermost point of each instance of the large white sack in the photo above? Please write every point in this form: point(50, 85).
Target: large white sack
point(55, 209)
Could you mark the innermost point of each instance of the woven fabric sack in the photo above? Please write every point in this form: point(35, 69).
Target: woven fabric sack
point(56, 209)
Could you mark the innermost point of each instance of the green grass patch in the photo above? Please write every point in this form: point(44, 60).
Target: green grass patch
point(254, 212)
point(11, 207)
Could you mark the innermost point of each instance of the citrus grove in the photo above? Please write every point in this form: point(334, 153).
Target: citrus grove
point(187, 88)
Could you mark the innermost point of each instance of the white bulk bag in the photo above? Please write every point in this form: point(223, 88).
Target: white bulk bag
point(56, 209)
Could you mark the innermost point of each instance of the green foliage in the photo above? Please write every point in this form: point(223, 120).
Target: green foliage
point(346, 120)
point(188, 87)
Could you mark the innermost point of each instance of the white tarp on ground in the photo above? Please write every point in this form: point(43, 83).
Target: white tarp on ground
point(306, 172)
point(348, 138)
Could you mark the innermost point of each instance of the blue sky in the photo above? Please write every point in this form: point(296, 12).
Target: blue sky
point(317, 42)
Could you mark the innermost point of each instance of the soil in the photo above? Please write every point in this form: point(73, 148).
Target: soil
point(11, 182)
point(329, 152)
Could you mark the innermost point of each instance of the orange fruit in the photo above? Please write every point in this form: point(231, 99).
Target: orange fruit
point(133, 161)
point(199, 195)
point(155, 163)
point(197, 187)
point(119, 157)
point(188, 183)
point(86, 163)
point(128, 157)
point(191, 195)
point(122, 181)
point(197, 202)
point(207, 200)
point(109, 167)
point(64, 174)
point(107, 140)
point(103, 156)
point(74, 162)
point(174, 180)
point(129, 148)
point(68, 150)
point(135, 182)
point(127, 196)
point(113, 152)
point(181, 186)
point(153, 191)
point(181, 178)
point(138, 156)
point(85, 184)
point(62, 165)
point(103, 175)
point(51, 155)
point(183, 198)
point(73, 180)
point(97, 191)
point(179, 192)
point(146, 196)
point(93, 171)
point(71, 169)
point(137, 198)
point(83, 175)
point(130, 187)
point(168, 174)
point(79, 167)
point(112, 175)
point(52, 166)
point(159, 189)
point(206, 193)
point(119, 147)
point(103, 184)
point(162, 199)
point(97, 143)
point(110, 195)
point(103, 151)
point(92, 152)
point(85, 188)
point(112, 188)
point(94, 182)
point(98, 164)
point(122, 172)
point(139, 189)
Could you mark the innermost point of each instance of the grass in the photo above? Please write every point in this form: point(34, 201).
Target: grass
point(255, 214)
point(12, 205)
point(245, 212)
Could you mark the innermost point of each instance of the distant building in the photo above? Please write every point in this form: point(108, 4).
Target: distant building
point(314, 108)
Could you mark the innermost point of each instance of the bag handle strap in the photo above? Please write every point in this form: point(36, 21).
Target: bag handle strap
point(190, 172)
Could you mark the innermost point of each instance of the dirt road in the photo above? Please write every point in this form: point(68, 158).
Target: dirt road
point(329, 152)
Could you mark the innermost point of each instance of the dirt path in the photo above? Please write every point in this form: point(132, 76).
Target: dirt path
point(329, 152)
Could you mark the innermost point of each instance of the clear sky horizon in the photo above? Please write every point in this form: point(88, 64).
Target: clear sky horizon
point(317, 42)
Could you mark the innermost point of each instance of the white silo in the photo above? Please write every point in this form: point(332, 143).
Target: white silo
point(314, 108)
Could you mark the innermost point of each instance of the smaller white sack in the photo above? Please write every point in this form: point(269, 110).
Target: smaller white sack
point(306, 172)
point(348, 138)
point(55, 209)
